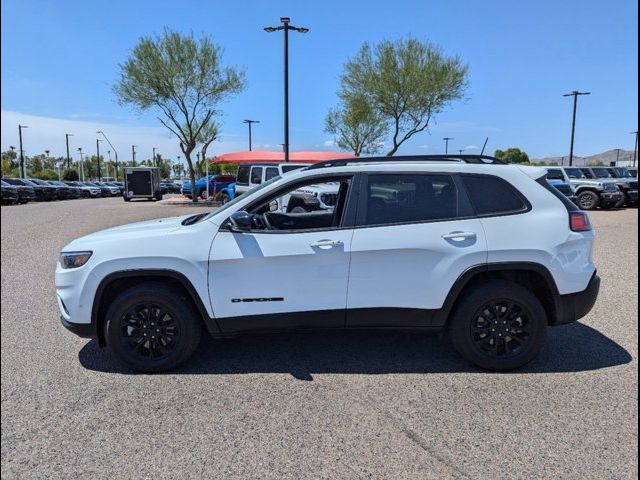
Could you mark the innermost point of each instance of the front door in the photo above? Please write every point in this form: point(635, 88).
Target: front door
point(272, 277)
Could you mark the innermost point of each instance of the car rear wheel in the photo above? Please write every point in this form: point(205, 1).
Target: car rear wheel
point(152, 328)
point(623, 201)
point(498, 326)
point(588, 200)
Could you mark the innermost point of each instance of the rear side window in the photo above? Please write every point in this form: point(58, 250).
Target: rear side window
point(256, 175)
point(290, 168)
point(271, 172)
point(409, 199)
point(493, 196)
point(555, 174)
point(243, 175)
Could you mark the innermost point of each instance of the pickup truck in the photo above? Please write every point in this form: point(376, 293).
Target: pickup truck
point(217, 183)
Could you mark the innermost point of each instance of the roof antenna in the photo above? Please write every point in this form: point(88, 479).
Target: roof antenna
point(484, 146)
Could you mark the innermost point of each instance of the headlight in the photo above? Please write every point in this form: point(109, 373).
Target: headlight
point(74, 259)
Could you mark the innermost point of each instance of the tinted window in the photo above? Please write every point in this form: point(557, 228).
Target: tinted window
point(492, 195)
point(555, 174)
point(601, 172)
point(271, 172)
point(573, 173)
point(243, 175)
point(410, 198)
point(587, 173)
point(256, 175)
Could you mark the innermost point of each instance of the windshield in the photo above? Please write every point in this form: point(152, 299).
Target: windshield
point(623, 172)
point(573, 173)
point(555, 174)
point(245, 195)
point(601, 172)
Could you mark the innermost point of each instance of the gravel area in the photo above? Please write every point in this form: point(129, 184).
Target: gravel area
point(309, 405)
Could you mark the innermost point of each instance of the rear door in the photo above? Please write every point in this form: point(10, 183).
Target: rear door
point(415, 234)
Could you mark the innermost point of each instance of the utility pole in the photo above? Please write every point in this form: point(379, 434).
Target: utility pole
point(114, 151)
point(154, 156)
point(23, 172)
point(575, 95)
point(67, 135)
point(635, 149)
point(133, 154)
point(446, 144)
point(98, 153)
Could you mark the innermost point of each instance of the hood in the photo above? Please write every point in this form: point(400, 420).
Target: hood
point(130, 231)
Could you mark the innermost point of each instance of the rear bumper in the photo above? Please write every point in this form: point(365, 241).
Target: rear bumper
point(574, 306)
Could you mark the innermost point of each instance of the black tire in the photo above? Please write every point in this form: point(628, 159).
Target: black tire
point(203, 195)
point(144, 310)
point(223, 197)
point(623, 201)
point(588, 200)
point(126, 199)
point(478, 333)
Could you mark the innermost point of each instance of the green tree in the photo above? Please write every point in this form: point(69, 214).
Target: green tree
point(407, 82)
point(207, 136)
point(70, 175)
point(512, 155)
point(357, 127)
point(182, 78)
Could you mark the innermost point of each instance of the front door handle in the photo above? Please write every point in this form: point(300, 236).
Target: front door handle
point(327, 244)
point(459, 236)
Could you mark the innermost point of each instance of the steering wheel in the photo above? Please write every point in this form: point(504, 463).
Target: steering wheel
point(266, 222)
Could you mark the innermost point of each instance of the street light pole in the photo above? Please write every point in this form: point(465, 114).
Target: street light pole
point(133, 154)
point(154, 156)
point(249, 122)
point(114, 151)
point(575, 95)
point(635, 149)
point(617, 156)
point(67, 135)
point(446, 144)
point(81, 163)
point(23, 173)
point(286, 27)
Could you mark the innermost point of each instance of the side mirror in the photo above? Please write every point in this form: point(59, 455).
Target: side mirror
point(240, 221)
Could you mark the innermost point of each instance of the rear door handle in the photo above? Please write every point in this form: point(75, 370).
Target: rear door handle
point(459, 236)
point(327, 244)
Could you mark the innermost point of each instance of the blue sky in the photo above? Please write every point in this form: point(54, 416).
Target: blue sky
point(59, 60)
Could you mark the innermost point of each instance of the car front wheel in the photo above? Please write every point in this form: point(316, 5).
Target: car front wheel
point(498, 326)
point(588, 200)
point(152, 328)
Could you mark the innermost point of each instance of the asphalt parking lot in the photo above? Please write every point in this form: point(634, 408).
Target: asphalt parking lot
point(309, 405)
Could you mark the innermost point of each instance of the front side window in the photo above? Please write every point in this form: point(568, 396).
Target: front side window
point(270, 173)
point(256, 175)
point(243, 175)
point(587, 173)
point(573, 173)
point(493, 196)
point(601, 172)
point(409, 198)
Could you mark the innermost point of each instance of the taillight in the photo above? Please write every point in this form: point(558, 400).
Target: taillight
point(580, 222)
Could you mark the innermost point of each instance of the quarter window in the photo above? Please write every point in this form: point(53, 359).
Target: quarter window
point(493, 196)
point(271, 172)
point(410, 198)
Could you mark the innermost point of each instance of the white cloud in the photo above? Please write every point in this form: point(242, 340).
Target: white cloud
point(329, 143)
point(48, 133)
point(471, 147)
point(424, 147)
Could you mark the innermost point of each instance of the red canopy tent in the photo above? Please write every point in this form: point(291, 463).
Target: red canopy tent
point(276, 157)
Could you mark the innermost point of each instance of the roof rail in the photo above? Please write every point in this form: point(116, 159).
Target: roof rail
point(477, 159)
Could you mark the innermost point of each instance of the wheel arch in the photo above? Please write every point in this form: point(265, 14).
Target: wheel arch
point(116, 282)
point(531, 275)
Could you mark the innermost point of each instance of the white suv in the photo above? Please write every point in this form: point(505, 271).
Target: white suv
point(490, 253)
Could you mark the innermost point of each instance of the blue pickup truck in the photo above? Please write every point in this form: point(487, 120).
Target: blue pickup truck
point(217, 183)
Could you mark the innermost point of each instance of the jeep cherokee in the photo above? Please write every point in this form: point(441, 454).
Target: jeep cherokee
point(489, 253)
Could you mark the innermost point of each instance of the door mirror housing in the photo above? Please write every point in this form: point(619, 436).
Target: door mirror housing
point(240, 221)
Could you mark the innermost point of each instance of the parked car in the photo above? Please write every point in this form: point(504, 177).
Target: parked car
point(590, 193)
point(114, 190)
point(226, 194)
point(565, 188)
point(216, 182)
point(626, 183)
point(468, 248)
point(41, 193)
point(59, 193)
point(65, 191)
point(169, 187)
point(9, 194)
point(633, 172)
point(86, 191)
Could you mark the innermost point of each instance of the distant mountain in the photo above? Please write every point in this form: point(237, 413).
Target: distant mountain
point(604, 158)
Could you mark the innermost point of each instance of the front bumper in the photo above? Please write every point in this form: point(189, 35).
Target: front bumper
point(632, 196)
point(574, 306)
point(608, 198)
point(84, 330)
